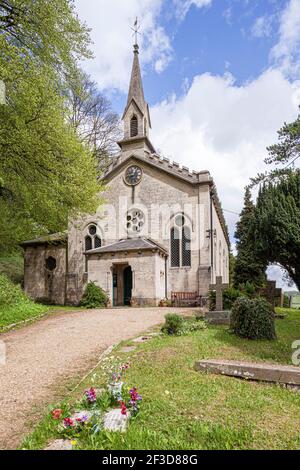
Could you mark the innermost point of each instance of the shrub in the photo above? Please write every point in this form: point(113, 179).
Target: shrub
point(10, 293)
point(94, 297)
point(173, 324)
point(253, 319)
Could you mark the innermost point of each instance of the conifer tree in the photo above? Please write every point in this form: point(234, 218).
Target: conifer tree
point(277, 224)
point(248, 266)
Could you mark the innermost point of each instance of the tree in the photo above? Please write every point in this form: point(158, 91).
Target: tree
point(286, 152)
point(248, 266)
point(46, 172)
point(277, 224)
point(92, 118)
point(49, 31)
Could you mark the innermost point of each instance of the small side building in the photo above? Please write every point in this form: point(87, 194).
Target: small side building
point(45, 268)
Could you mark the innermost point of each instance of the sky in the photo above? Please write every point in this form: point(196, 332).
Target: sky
point(220, 77)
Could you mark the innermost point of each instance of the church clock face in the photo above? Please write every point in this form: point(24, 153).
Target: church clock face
point(133, 175)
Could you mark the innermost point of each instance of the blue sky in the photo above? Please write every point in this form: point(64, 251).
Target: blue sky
point(220, 76)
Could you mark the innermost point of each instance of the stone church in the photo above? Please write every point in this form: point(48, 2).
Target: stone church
point(160, 228)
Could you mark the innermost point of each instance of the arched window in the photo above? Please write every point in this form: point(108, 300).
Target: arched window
point(186, 246)
point(88, 244)
point(175, 248)
point(133, 126)
point(92, 239)
point(180, 243)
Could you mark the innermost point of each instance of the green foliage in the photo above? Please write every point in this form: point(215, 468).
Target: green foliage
point(94, 297)
point(253, 319)
point(46, 173)
point(285, 153)
point(277, 224)
point(248, 266)
point(12, 266)
point(48, 31)
point(15, 306)
point(173, 324)
point(286, 301)
point(229, 297)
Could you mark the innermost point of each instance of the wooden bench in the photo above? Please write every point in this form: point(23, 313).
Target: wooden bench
point(183, 299)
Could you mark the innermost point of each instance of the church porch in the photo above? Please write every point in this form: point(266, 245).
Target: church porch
point(132, 272)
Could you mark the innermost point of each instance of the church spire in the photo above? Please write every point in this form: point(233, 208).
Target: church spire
point(136, 91)
point(136, 115)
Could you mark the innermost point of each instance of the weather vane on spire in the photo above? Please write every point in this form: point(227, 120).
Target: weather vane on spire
point(136, 30)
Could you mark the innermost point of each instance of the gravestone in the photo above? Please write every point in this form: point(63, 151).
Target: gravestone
point(115, 421)
point(272, 294)
point(274, 373)
point(219, 287)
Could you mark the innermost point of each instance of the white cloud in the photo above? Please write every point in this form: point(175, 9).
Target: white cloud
point(182, 6)
point(286, 53)
point(112, 37)
point(262, 26)
point(225, 128)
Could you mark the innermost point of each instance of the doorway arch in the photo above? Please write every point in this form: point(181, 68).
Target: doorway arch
point(127, 283)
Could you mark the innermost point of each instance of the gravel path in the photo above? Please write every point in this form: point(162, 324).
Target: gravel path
point(40, 358)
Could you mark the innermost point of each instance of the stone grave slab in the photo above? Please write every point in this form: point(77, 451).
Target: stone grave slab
point(218, 318)
point(285, 375)
point(59, 444)
point(115, 421)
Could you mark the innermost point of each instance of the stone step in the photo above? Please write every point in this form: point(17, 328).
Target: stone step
point(218, 318)
point(287, 375)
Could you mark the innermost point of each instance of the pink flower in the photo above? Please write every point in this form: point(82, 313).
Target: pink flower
point(56, 414)
point(91, 395)
point(68, 423)
point(123, 408)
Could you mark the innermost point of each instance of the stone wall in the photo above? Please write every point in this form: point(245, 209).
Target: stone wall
point(148, 283)
point(41, 283)
point(157, 188)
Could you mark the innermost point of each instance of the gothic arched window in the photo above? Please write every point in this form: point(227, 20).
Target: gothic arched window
point(134, 126)
point(186, 246)
point(175, 248)
point(92, 239)
point(180, 243)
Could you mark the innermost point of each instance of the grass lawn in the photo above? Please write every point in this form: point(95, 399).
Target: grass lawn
point(184, 409)
point(28, 311)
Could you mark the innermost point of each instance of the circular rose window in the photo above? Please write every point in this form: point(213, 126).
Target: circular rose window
point(135, 221)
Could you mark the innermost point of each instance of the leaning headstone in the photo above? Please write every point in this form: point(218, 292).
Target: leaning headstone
point(59, 444)
point(115, 421)
point(219, 287)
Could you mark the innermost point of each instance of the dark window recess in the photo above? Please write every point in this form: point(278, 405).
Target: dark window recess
point(133, 126)
point(92, 230)
point(50, 263)
point(88, 243)
point(186, 247)
point(97, 242)
point(175, 247)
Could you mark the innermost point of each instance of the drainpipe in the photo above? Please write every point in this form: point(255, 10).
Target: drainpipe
point(166, 277)
point(211, 234)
